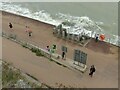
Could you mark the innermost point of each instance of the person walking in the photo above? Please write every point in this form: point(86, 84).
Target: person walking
point(30, 33)
point(26, 30)
point(97, 37)
point(10, 26)
point(92, 70)
point(63, 55)
point(47, 48)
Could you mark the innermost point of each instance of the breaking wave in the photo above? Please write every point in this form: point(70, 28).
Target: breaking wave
point(77, 25)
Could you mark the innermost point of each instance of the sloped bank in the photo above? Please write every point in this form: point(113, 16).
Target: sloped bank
point(15, 78)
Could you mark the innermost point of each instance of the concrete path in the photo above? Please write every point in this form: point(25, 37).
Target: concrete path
point(51, 73)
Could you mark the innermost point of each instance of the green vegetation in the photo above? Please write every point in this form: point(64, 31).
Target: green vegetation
point(25, 45)
point(12, 36)
point(51, 59)
point(34, 50)
point(9, 76)
point(12, 78)
point(37, 51)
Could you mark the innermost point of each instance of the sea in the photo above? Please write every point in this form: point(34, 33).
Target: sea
point(91, 17)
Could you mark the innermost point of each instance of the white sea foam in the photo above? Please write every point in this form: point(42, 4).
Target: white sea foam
point(82, 24)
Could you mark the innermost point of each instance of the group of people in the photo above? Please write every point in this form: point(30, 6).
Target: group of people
point(54, 47)
point(27, 30)
point(92, 68)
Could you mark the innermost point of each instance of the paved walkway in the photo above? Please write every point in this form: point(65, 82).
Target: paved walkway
point(106, 64)
point(69, 63)
point(51, 73)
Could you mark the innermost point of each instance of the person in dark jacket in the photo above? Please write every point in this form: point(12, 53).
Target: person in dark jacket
point(92, 70)
point(63, 55)
point(10, 25)
point(97, 37)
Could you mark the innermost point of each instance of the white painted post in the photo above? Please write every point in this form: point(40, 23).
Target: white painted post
point(63, 33)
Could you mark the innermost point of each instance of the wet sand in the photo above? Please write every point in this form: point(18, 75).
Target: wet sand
point(106, 63)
